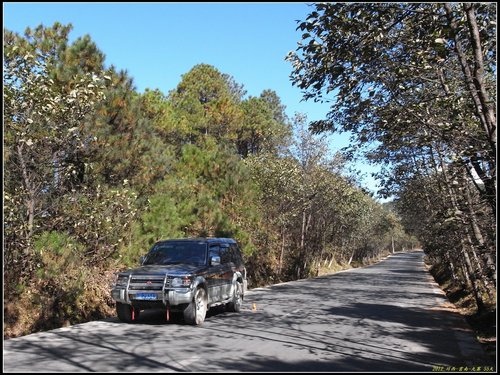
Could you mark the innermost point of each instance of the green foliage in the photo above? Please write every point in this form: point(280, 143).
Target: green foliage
point(132, 136)
point(59, 253)
point(205, 101)
point(204, 195)
point(60, 278)
point(100, 220)
point(166, 122)
point(264, 127)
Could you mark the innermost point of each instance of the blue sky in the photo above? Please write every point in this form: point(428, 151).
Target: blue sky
point(156, 43)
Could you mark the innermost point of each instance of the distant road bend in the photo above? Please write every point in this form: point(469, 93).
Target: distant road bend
point(388, 317)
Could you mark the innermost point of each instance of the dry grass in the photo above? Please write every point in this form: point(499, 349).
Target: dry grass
point(37, 309)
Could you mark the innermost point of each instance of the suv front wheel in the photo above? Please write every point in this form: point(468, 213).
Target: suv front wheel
point(126, 313)
point(235, 304)
point(196, 311)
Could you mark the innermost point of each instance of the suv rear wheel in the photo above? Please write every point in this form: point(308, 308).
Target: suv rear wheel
point(196, 311)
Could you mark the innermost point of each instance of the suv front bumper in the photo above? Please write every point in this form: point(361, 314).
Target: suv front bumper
point(172, 297)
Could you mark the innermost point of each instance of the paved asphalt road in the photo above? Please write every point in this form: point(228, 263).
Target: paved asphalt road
point(388, 317)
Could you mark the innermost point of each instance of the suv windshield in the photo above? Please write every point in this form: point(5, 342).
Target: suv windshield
point(177, 252)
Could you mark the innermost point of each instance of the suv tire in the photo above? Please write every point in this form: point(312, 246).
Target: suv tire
point(196, 311)
point(124, 312)
point(235, 304)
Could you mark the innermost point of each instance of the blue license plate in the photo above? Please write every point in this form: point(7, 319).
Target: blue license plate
point(146, 296)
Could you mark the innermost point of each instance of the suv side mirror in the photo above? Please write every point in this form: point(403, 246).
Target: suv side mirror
point(141, 259)
point(215, 260)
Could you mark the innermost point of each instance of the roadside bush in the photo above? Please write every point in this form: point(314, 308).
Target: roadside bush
point(64, 292)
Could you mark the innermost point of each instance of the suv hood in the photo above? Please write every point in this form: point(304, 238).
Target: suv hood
point(170, 269)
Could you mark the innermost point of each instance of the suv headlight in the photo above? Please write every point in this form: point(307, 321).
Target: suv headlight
point(121, 281)
point(184, 281)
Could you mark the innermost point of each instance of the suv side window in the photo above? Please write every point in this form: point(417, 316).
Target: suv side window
point(214, 251)
point(235, 254)
point(225, 254)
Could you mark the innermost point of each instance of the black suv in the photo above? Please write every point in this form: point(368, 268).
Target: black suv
point(183, 275)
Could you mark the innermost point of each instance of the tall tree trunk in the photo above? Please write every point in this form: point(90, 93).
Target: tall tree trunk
point(478, 245)
point(476, 288)
point(474, 78)
point(452, 267)
point(351, 257)
point(487, 105)
point(303, 232)
point(282, 252)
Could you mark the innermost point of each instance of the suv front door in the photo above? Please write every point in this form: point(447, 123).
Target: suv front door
point(227, 270)
point(214, 281)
